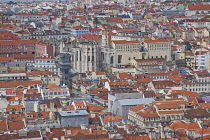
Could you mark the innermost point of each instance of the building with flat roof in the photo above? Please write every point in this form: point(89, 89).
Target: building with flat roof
point(73, 118)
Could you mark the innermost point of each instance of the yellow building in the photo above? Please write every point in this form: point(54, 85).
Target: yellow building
point(189, 57)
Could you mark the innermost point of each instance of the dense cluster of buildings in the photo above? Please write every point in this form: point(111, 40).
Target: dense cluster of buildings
point(109, 70)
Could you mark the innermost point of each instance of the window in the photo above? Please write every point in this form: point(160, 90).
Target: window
point(119, 58)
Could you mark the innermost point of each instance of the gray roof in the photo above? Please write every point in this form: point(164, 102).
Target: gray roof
point(2, 29)
point(135, 101)
point(73, 113)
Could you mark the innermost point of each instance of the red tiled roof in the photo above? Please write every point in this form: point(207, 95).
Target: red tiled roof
point(199, 7)
point(17, 125)
point(157, 41)
point(45, 57)
point(19, 42)
point(6, 59)
point(109, 118)
point(15, 117)
point(95, 108)
point(186, 93)
point(30, 14)
point(16, 107)
point(3, 125)
point(24, 56)
point(114, 19)
point(204, 105)
point(144, 80)
point(13, 84)
point(187, 126)
point(170, 112)
point(118, 83)
point(168, 106)
point(137, 108)
point(125, 42)
point(52, 86)
point(100, 73)
point(124, 76)
point(176, 78)
point(149, 112)
point(14, 98)
point(126, 30)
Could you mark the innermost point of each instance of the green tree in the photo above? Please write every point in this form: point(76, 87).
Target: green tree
point(11, 2)
point(188, 45)
point(95, 21)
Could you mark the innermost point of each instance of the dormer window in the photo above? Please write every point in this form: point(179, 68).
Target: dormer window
point(29, 116)
point(13, 109)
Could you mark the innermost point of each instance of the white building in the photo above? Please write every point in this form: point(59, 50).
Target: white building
point(46, 63)
point(53, 91)
point(200, 84)
point(202, 60)
point(198, 9)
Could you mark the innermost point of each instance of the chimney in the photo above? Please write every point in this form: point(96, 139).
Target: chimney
point(83, 126)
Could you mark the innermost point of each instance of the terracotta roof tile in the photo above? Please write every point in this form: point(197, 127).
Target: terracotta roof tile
point(3, 125)
point(198, 112)
point(18, 92)
point(17, 125)
point(149, 112)
point(170, 112)
point(144, 80)
point(204, 105)
point(176, 78)
point(183, 138)
point(114, 19)
point(100, 73)
point(168, 106)
point(14, 98)
point(16, 107)
point(6, 59)
point(69, 107)
point(19, 42)
point(125, 42)
point(126, 76)
point(52, 86)
point(164, 84)
point(157, 41)
point(95, 108)
point(109, 118)
point(15, 117)
point(186, 93)
point(182, 125)
point(13, 84)
point(199, 6)
point(137, 108)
